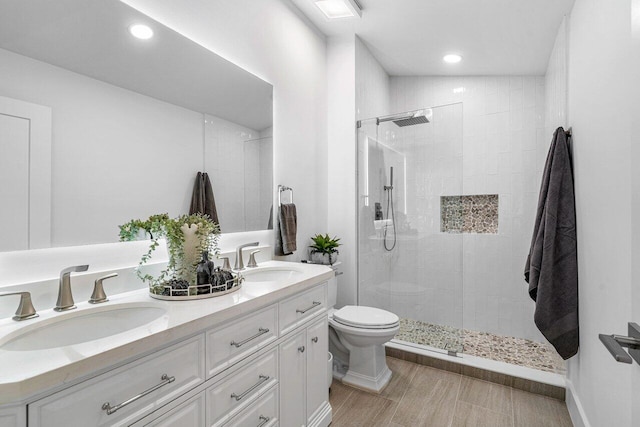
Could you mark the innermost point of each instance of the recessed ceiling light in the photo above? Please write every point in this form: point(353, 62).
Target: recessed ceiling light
point(141, 31)
point(334, 9)
point(452, 58)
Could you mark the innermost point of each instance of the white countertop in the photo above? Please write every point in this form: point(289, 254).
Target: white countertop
point(26, 374)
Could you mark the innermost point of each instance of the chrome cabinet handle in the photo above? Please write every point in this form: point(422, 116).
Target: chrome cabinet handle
point(301, 349)
point(112, 409)
point(315, 304)
point(238, 397)
point(314, 339)
point(261, 331)
point(264, 420)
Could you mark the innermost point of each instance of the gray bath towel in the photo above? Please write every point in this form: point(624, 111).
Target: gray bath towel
point(552, 264)
point(202, 200)
point(286, 229)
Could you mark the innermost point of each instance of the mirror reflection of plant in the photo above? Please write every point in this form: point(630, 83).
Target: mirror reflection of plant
point(162, 226)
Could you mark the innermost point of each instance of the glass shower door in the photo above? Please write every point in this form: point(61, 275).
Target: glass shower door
point(409, 245)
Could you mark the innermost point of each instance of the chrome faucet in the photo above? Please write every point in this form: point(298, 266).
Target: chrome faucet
point(25, 309)
point(65, 298)
point(239, 263)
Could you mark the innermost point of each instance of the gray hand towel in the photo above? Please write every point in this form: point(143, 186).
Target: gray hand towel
point(202, 200)
point(286, 229)
point(552, 265)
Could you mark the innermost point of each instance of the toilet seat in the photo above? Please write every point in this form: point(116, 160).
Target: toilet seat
point(365, 317)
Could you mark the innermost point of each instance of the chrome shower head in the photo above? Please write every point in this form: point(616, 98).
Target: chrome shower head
point(416, 119)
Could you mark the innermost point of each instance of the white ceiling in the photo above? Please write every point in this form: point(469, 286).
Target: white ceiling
point(410, 37)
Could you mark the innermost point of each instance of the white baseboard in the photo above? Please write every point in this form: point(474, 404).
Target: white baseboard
point(576, 411)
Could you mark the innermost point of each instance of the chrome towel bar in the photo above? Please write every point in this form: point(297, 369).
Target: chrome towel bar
point(614, 344)
point(282, 189)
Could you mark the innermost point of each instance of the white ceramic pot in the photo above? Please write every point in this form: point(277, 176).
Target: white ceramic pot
point(318, 258)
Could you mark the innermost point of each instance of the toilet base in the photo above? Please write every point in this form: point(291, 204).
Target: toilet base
point(367, 383)
point(368, 368)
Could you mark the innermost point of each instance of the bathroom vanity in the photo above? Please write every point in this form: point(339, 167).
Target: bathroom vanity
point(256, 357)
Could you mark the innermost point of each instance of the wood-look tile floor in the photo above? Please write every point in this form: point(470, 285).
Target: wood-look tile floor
point(422, 396)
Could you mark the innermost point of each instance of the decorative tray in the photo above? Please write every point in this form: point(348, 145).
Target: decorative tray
point(194, 292)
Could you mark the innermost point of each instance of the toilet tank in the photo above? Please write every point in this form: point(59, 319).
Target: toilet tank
point(333, 292)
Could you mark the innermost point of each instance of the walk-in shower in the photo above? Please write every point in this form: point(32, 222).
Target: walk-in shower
point(427, 257)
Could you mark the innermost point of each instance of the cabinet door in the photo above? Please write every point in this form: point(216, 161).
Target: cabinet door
point(13, 417)
point(292, 381)
point(190, 414)
point(317, 353)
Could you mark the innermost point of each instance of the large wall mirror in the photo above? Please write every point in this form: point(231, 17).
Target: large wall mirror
point(98, 127)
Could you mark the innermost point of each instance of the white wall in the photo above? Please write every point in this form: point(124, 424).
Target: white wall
point(602, 105)
point(341, 113)
point(358, 88)
point(270, 39)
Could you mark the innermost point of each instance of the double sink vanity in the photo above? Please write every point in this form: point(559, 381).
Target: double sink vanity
point(255, 357)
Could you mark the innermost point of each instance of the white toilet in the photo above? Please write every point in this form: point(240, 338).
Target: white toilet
point(357, 335)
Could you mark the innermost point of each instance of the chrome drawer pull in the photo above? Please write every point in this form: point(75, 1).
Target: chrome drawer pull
point(301, 349)
point(241, 396)
point(261, 331)
point(314, 339)
point(264, 420)
point(315, 304)
point(112, 409)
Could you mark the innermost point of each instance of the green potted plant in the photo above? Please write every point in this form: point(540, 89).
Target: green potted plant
point(324, 249)
point(187, 237)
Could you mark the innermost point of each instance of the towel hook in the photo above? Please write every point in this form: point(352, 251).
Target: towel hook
point(281, 189)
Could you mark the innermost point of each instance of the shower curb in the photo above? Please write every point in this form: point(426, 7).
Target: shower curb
point(548, 390)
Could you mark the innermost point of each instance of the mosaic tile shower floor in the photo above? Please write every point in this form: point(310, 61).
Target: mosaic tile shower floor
point(516, 351)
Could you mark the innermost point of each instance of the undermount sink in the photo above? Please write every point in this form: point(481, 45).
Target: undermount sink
point(79, 327)
point(274, 274)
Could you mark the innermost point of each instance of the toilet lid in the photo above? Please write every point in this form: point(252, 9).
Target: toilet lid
point(365, 317)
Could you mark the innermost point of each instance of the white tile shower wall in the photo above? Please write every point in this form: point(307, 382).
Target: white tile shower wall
point(503, 132)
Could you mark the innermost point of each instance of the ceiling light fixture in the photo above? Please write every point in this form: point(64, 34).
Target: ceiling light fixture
point(452, 58)
point(141, 31)
point(335, 9)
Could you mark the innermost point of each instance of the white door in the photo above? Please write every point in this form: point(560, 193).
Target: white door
point(292, 381)
point(25, 175)
point(318, 347)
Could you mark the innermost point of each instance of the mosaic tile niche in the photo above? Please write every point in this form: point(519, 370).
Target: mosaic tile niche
point(469, 214)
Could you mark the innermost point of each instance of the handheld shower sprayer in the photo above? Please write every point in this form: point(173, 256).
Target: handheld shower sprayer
point(389, 188)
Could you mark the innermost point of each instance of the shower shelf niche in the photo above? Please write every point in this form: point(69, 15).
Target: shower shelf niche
point(469, 214)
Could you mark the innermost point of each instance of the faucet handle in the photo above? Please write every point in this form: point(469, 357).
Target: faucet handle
point(98, 294)
point(226, 265)
point(252, 259)
point(25, 308)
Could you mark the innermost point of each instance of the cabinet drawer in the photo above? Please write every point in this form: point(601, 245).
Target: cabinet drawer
point(233, 342)
point(142, 384)
point(263, 413)
point(298, 309)
point(188, 414)
point(231, 395)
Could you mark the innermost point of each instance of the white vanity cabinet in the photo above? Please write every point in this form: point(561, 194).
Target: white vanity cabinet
point(303, 390)
point(121, 396)
point(266, 367)
point(13, 417)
